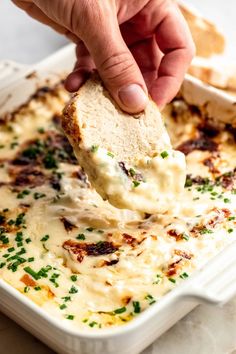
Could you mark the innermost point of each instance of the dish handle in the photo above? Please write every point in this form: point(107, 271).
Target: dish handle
point(10, 71)
point(216, 282)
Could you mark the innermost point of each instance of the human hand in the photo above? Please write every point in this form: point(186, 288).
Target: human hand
point(137, 46)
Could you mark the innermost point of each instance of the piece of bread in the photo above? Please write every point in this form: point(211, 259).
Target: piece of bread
point(93, 118)
point(206, 36)
point(128, 159)
point(218, 72)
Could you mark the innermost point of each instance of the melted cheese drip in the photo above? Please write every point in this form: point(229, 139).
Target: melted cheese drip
point(162, 180)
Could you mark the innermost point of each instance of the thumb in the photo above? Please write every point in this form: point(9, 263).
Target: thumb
point(118, 69)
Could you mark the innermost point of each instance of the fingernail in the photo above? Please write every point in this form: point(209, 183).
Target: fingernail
point(133, 97)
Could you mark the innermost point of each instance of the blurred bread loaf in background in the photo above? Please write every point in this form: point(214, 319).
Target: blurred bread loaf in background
point(209, 65)
point(206, 36)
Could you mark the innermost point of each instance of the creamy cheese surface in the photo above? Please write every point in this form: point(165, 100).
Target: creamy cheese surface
point(151, 185)
point(85, 262)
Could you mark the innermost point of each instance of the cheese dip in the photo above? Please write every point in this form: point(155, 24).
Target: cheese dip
point(85, 262)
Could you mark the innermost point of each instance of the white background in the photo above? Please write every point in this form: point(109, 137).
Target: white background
point(206, 330)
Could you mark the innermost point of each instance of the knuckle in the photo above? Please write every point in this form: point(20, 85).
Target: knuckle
point(117, 66)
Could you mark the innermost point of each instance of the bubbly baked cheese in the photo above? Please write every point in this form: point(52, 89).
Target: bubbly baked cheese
point(151, 185)
point(85, 262)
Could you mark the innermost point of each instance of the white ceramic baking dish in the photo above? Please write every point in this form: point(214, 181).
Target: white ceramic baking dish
point(214, 283)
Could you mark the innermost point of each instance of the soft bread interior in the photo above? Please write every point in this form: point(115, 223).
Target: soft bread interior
point(92, 117)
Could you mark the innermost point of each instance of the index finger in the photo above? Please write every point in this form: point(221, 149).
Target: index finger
point(175, 41)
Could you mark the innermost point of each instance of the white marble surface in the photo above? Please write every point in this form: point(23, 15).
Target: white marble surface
point(206, 330)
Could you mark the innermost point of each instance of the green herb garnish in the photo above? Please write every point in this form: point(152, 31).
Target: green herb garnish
point(63, 306)
point(66, 298)
point(92, 324)
point(172, 280)
point(90, 229)
point(23, 194)
point(150, 299)
point(38, 195)
point(73, 290)
point(37, 288)
point(80, 237)
point(73, 277)
point(31, 272)
point(94, 148)
point(164, 154)
point(120, 310)
point(110, 154)
point(136, 305)
point(136, 184)
point(44, 238)
point(184, 275)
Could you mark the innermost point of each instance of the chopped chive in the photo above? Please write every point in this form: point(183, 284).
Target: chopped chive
point(132, 172)
point(38, 195)
point(120, 310)
point(28, 240)
point(31, 259)
point(49, 161)
point(31, 272)
point(90, 229)
point(53, 279)
point(19, 236)
point(136, 305)
point(2, 264)
point(26, 289)
point(231, 218)
point(158, 276)
point(41, 130)
point(23, 194)
point(63, 306)
point(11, 249)
point(150, 299)
point(66, 298)
point(110, 154)
point(37, 288)
point(205, 231)
point(94, 148)
point(44, 238)
point(230, 231)
point(172, 280)
point(73, 290)
point(92, 324)
point(227, 200)
point(136, 184)
point(73, 277)
point(4, 239)
point(80, 237)
point(164, 154)
point(70, 317)
point(184, 275)
point(185, 236)
point(20, 219)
